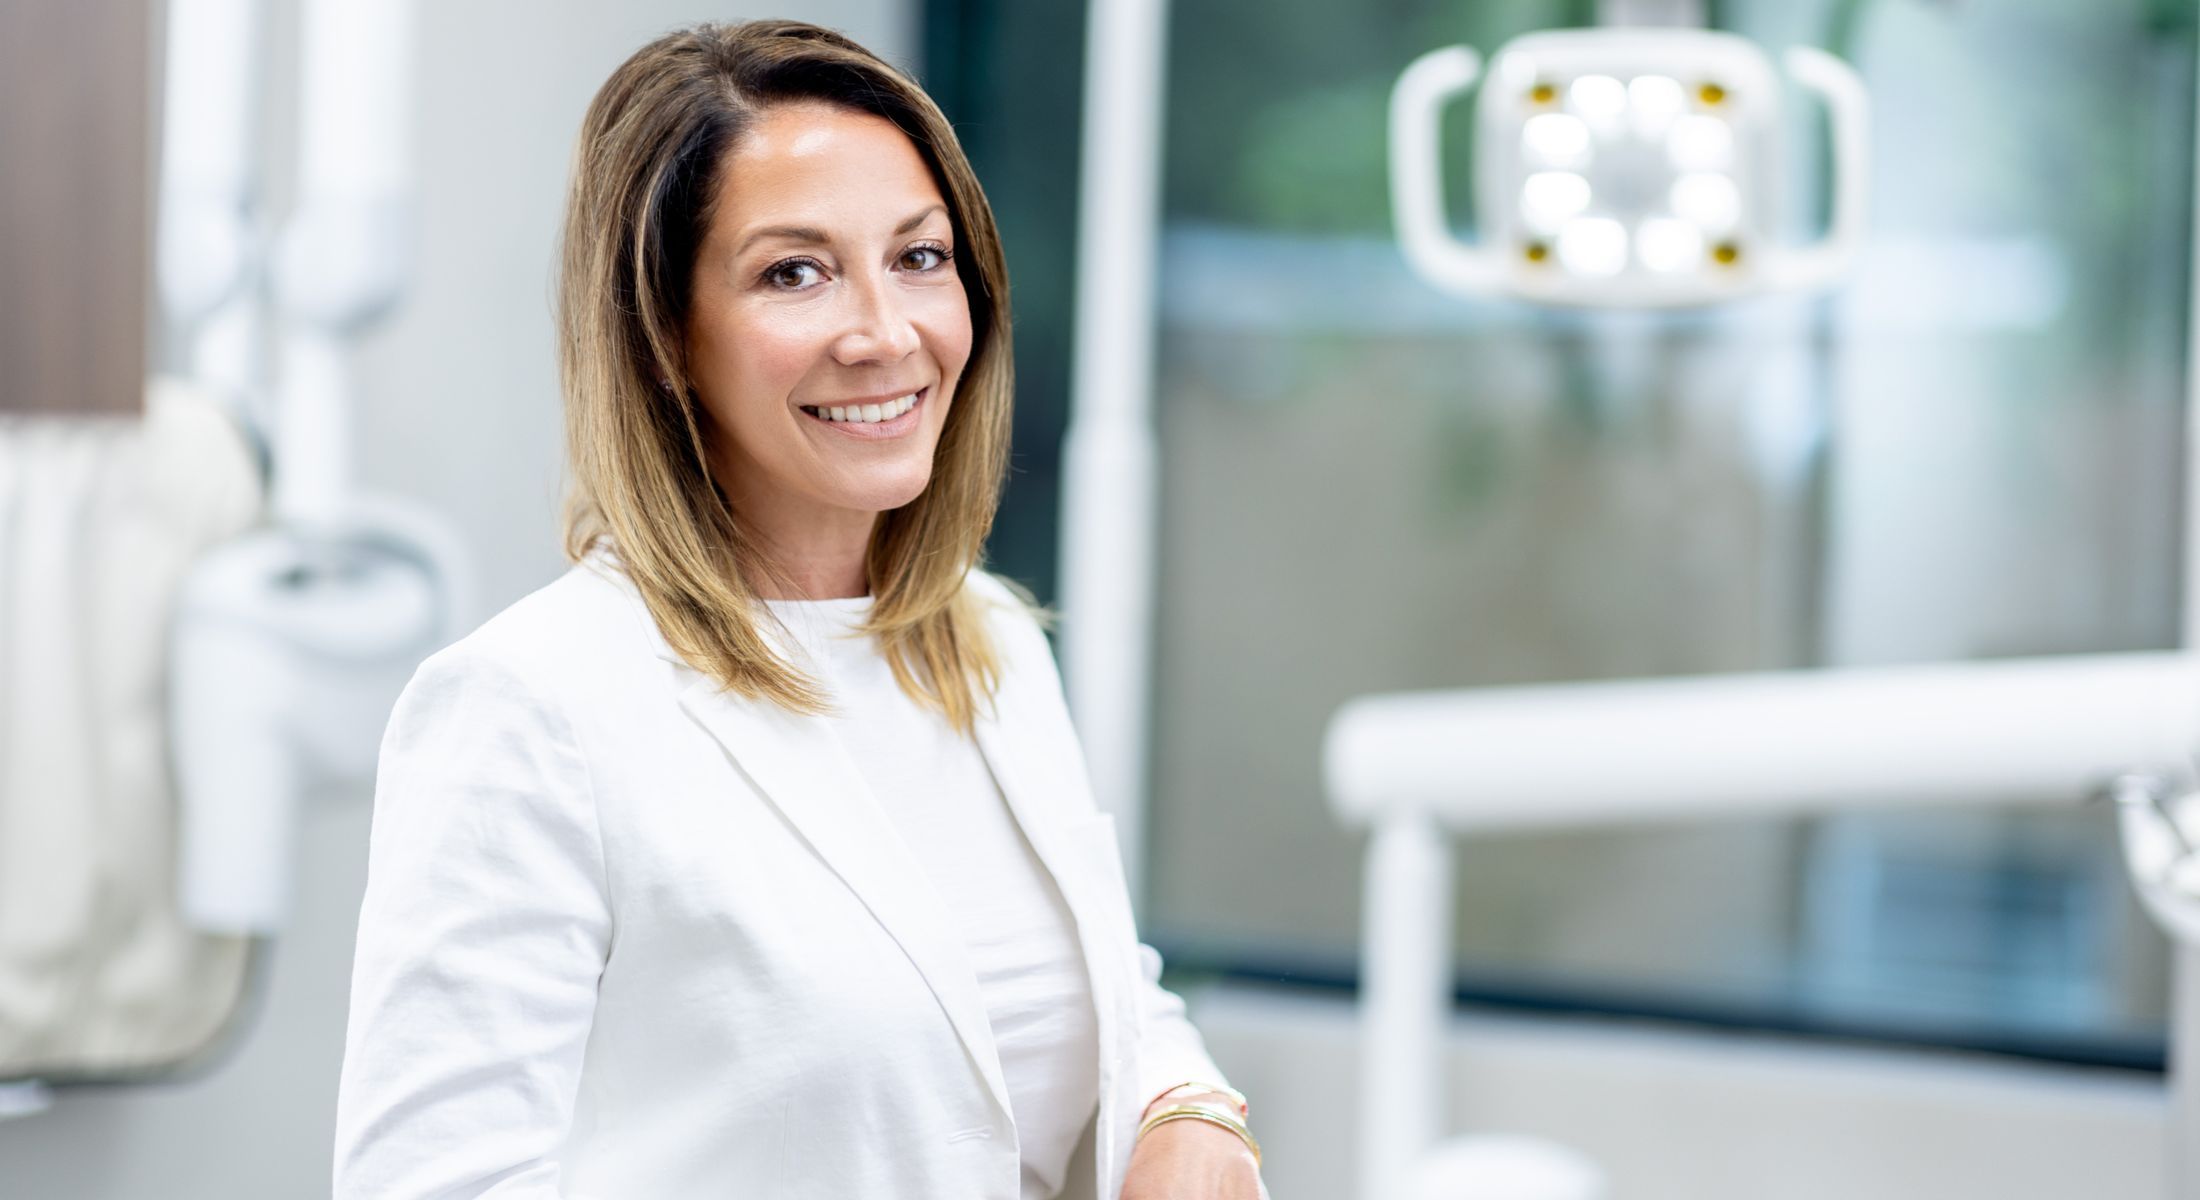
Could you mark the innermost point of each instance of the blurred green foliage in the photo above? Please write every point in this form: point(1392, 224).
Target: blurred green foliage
point(1277, 111)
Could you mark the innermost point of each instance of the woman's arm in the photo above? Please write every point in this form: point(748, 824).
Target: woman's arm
point(1182, 1160)
point(483, 932)
point(1170, 1051)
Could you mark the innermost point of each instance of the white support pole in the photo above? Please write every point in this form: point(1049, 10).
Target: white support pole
point(1405, 1000)
point(208, 249)
point(1109, 471)
point(347, 248)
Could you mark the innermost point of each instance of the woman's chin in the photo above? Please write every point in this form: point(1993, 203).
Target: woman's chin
point(884, 495)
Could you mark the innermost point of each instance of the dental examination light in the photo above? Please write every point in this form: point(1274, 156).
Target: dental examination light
point(1623, 168)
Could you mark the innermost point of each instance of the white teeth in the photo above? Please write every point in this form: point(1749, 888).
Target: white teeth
point(869, 413)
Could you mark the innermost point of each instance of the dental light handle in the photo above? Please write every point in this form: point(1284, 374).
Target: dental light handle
point(1417, 172)
point(1848, 112)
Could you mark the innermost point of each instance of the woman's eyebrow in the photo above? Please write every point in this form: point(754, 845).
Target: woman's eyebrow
point(816, 236)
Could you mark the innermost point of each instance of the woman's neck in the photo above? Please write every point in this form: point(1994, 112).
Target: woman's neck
point(817, 551)
point(822, 583)
point(816, 556)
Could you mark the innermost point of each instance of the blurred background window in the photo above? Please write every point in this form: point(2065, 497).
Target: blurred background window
point(1971, 451)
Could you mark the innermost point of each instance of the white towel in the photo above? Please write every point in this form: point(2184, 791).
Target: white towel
point(100, 518)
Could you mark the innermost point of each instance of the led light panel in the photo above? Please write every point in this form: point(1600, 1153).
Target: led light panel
point(1622, 167)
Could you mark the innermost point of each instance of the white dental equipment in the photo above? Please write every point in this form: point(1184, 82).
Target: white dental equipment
point(2158, 817)
point(1418, 767)
point(1623, 168)
point(207, 247)
point(292, 641)
point(2158, 822)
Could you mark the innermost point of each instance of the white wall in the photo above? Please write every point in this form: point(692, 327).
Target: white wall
point(461, 412)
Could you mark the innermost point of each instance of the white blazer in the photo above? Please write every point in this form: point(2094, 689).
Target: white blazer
point(627, 937)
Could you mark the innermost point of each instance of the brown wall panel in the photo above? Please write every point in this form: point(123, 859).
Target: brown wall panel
point(76, 80)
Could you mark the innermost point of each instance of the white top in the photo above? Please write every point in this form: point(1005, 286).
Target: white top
point(1019, 933)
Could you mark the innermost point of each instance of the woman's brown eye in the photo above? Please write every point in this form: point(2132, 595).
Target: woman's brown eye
point(788, 274)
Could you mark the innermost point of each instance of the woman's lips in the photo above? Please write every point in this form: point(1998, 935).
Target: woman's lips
point(875, 430)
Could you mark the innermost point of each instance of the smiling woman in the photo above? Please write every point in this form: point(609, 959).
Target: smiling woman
point(809, 235)
point(757, 850)
point(799, 357)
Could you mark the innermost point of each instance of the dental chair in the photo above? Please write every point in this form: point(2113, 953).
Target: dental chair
point(101, 978)
point(1416, 769)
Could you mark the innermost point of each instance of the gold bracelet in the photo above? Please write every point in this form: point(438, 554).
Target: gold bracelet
point(1202, 1112)
point(1244, 1110)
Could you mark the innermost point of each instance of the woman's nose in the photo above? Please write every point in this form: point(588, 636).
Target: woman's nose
point(879, 328)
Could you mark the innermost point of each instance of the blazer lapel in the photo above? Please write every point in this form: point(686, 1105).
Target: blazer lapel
point(801, 768)
point(1034, 790)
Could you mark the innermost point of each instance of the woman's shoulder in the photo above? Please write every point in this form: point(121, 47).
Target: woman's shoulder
point(1010, 607)
point(579, 630)
point(589, 626)
point(998, 590)
point(1018, 624)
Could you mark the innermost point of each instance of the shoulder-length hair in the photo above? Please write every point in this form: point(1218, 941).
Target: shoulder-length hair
point(645, 177)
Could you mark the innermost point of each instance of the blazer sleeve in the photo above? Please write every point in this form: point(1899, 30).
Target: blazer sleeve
point(482, 936)
point(1170, 1051)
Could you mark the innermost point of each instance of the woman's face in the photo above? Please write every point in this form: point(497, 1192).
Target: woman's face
point(824, 297)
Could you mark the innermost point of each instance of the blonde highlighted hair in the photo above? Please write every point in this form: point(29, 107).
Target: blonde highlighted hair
point(645, 176)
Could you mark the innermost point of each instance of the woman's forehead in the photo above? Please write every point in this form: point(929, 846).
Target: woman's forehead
point(811, 168)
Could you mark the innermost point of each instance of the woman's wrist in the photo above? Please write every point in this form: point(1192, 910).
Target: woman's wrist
point(1220, 1117)
point(1198, 1089)
point(1199, 1102)
point(1219, 1100)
